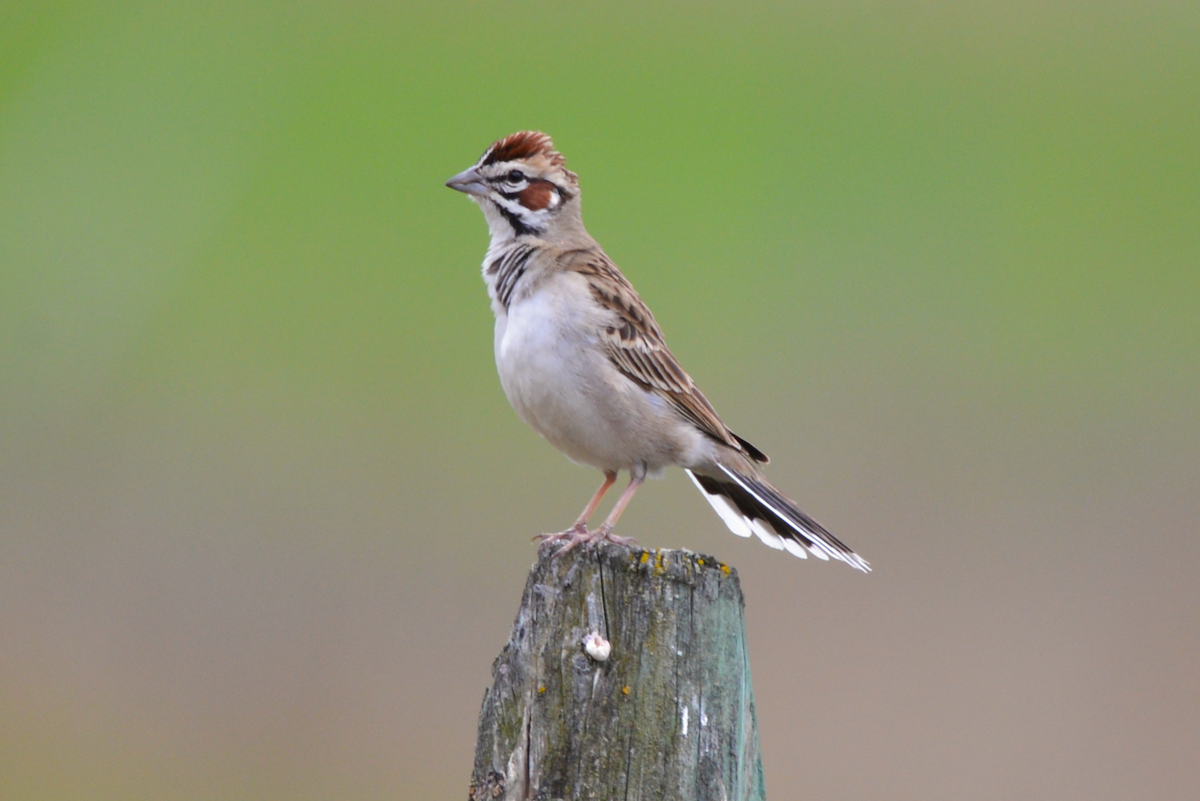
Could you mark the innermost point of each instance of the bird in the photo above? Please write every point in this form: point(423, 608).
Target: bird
point(584, 363)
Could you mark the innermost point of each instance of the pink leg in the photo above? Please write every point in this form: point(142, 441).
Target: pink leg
point(605, 531)
point(578, 532)
point(590, 509)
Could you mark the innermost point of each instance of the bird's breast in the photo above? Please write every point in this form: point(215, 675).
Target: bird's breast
point(559, 378)
point(541, 354)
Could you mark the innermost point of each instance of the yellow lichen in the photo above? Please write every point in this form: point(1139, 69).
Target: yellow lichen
point(541, 689)
point(625, 689)
point(726, 569)
point(645, 557)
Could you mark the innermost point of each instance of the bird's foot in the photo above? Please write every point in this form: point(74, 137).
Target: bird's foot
point(578, 534)
point(571, 537)
point(605, 532)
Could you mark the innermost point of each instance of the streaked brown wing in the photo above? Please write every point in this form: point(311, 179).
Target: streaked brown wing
point(637, 348)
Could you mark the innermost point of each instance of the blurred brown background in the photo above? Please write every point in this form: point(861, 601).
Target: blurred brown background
point(265, 513)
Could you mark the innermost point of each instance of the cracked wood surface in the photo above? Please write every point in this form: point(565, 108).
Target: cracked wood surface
point(669, 714)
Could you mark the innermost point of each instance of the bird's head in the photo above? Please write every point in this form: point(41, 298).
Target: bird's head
point(524, 188)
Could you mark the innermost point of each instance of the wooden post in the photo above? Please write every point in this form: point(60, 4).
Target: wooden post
point(668, 714)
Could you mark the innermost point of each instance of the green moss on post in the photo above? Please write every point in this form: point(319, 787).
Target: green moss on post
point(668, 715)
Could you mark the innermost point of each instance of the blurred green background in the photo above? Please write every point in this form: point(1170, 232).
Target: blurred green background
point(265, 512)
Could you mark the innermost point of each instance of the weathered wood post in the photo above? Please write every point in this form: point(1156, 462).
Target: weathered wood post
point(667, 713)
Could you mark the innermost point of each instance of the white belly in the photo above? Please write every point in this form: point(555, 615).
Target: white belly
point(560, 382)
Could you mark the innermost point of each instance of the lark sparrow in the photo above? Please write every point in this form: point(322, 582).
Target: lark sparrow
point(582, 360)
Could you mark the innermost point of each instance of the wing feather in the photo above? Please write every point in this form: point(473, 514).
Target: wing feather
point(637, 348)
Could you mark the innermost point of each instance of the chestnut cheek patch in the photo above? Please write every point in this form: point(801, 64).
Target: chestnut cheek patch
point(538, 195)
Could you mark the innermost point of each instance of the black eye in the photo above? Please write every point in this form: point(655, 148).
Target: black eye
point(516, 176)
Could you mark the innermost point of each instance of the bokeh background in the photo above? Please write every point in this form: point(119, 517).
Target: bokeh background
point(265, 513)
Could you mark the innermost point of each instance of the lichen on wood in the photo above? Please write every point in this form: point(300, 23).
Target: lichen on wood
point(669, 714)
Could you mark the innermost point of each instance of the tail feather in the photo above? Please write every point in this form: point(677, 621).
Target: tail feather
point(751, 506)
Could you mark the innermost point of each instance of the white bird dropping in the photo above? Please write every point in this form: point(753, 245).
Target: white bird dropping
point(597, 647)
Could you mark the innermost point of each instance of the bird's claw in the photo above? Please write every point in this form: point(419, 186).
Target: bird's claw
point(571, 537)
point(578, 534)
point(605, 532)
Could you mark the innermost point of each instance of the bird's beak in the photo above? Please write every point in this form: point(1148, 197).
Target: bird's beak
point(468, 181)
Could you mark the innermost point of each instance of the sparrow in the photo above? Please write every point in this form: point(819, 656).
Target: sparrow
point(582, 360)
